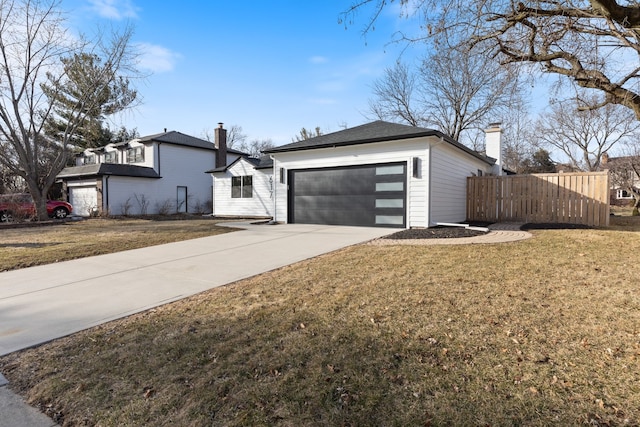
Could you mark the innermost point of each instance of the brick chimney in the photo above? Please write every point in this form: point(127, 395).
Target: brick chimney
point(221, 144)
point(493, 146)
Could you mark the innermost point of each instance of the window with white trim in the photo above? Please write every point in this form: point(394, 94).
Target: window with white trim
point(242, 187)
point(135, 154)
point(111, 157)
point(623, 194)
point(90, 159)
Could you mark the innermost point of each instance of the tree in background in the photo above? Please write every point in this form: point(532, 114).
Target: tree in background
point(463, 91)
point(455, 90)
point(237, 139)
point(594, 44)
point(235, 136)
point(307, 134)
point(584, 134)
point(85, 77)
point(538, 162)
point(255, 147)
point(123, 134)
point(37, 66)
point(396, 96)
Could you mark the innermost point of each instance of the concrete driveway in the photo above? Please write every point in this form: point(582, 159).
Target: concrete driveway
point(39, 304)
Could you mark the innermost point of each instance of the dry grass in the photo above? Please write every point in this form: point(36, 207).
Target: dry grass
point(61, 241)
point(540, 332)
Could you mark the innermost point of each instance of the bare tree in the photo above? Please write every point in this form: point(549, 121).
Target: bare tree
point(33, 45)
point(456, 91)
point(519, 141)
point(593, 43)
point(235, 136)
point(395, 97)
point(255, 147)
point(463, 90)
point(583, 135)
point(307, 134)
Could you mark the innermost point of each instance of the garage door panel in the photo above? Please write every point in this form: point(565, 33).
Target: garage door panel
point(337, 217)
point(332, 182)
point(365, 195)
point(356, 202)
point(83, 199)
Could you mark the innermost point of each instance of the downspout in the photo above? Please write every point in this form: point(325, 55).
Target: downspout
point(159, 171)
point(275, 186)
point(105, 195)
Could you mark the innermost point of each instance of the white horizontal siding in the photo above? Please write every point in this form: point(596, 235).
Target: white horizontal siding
point(450, 168)
point(179, 167)
point(261, 204)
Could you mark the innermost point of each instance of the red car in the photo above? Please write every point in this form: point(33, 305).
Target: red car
point(22, 206)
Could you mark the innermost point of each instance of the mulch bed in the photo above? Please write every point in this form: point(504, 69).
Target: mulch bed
point(458, 232)
point(435, 233)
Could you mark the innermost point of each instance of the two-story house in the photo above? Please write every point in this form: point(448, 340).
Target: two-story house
point(155, 174)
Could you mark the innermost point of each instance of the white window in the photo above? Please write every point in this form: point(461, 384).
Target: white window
point(242, 187)
point(90, 159)
point(623, 194)
point(111, 157)
point(135, 155)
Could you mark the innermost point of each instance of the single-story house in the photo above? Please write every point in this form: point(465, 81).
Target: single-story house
point(162, 173)
point(378, 174)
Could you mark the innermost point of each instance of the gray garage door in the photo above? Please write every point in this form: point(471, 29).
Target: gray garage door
point(369, 195)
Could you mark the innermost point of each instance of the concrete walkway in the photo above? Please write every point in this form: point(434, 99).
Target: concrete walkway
point(39, 304)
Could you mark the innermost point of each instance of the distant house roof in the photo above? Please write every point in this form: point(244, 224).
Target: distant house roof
point(378, 131)
point(108, 169)
point(178, 138)
point(171, 137)
point(264, 162)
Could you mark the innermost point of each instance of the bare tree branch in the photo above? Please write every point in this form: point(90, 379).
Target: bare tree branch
point(33, 45)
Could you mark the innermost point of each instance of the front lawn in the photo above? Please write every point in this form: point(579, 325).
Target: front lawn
point(38, 244)
point(544, 331)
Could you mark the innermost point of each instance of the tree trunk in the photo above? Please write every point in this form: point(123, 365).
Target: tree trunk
point(40, 202)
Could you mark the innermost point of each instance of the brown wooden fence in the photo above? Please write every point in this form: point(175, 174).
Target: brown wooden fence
point(574, 198)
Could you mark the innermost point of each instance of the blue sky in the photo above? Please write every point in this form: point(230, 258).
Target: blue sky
point(271, 67)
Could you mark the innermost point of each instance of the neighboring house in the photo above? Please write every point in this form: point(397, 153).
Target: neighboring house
point(378, 174)
point(163, 173)
point(623, 178)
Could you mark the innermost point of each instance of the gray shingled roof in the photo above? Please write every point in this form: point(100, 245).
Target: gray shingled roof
point(178, 138)
point(378, 131)
point(108, 169)
point(264, 162)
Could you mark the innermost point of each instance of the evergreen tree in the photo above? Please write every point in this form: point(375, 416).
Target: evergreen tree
point(86, 78)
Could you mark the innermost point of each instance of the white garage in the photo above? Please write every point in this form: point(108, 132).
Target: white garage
point(379, 174)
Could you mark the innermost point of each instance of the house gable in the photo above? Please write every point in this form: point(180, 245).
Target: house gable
point(231, 202)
